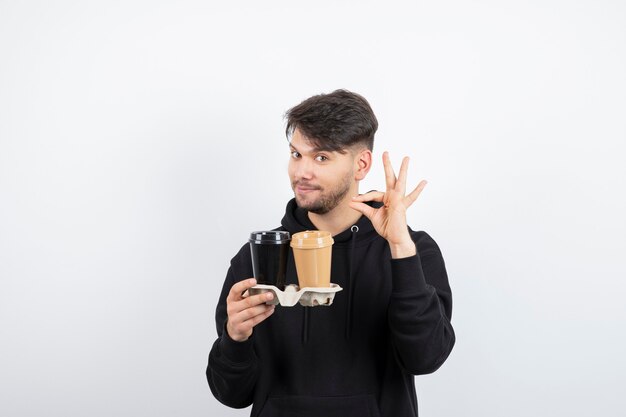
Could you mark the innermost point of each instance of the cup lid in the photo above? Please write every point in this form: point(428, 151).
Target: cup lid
point(269, 237)
point(311, 239)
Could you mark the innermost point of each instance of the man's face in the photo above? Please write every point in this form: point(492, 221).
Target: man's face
point(320, 179)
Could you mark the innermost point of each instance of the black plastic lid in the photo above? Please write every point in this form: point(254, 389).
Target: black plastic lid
point(269, 237)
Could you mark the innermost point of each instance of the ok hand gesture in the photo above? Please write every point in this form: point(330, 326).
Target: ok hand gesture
point(390, 219)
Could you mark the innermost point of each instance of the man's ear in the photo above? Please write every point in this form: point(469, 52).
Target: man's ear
point(362, 164)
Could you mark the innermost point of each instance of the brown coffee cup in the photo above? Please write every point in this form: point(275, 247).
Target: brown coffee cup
point(312, 250)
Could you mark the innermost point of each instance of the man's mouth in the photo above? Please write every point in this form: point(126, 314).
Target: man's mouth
point(304, 188)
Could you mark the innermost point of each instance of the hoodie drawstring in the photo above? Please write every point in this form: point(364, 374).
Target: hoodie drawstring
point(354, 229)
point(305, 325)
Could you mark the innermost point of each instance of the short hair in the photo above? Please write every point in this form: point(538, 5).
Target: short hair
point(335, 121)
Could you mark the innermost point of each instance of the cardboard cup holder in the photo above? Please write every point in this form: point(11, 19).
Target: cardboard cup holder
point(307, 296)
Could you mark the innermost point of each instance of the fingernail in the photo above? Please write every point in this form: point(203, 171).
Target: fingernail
point(269, 295)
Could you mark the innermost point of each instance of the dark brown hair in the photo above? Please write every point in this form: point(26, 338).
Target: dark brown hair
point(334, 121)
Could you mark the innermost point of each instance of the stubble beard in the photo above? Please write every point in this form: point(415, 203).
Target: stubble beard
point(327, 201)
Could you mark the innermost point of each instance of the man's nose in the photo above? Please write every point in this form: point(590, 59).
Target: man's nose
point(304, 169)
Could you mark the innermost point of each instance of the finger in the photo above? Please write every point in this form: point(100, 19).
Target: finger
point(401, 183)
point(260, 317)
point(237, 290)
point(364, 209)
point(253, 301)
point(233, 308)
point(371, 196)
point(247, 326)
point(410, 199)
point(390, 176)
point(250, 313)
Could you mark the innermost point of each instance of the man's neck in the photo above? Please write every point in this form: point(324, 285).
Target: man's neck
point(337, 220)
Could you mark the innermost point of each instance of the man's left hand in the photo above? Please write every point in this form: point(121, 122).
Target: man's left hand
point(390, 219)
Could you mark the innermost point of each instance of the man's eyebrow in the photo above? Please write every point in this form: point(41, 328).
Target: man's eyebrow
point(315, 149)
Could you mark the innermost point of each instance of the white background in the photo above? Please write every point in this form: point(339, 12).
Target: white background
point(141, 141)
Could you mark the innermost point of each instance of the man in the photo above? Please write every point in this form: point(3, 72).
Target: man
point(358, 356)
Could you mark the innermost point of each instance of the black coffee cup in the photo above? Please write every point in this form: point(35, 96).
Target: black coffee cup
point(269, 251)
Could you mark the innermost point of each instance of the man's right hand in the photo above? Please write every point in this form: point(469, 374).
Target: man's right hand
point(245, 312)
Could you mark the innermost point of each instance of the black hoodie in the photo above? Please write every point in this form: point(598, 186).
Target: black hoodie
point(356, 357)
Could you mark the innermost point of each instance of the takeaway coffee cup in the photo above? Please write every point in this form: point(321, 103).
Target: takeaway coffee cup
point(312, 252)
point(269, 257)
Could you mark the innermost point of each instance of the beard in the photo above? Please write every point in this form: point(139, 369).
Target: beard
point(327, 200)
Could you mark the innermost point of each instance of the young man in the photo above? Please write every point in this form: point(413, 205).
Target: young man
point(358, 356)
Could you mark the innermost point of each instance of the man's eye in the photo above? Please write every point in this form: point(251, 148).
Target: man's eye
point(295, 154)
point(321, 158)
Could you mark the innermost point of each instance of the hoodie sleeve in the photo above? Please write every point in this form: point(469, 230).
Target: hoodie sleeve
point(420, 308)
point(233, 369)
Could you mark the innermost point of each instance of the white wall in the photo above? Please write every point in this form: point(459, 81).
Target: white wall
point(141, 141)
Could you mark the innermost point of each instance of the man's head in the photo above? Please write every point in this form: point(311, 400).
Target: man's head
point(331, 137)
